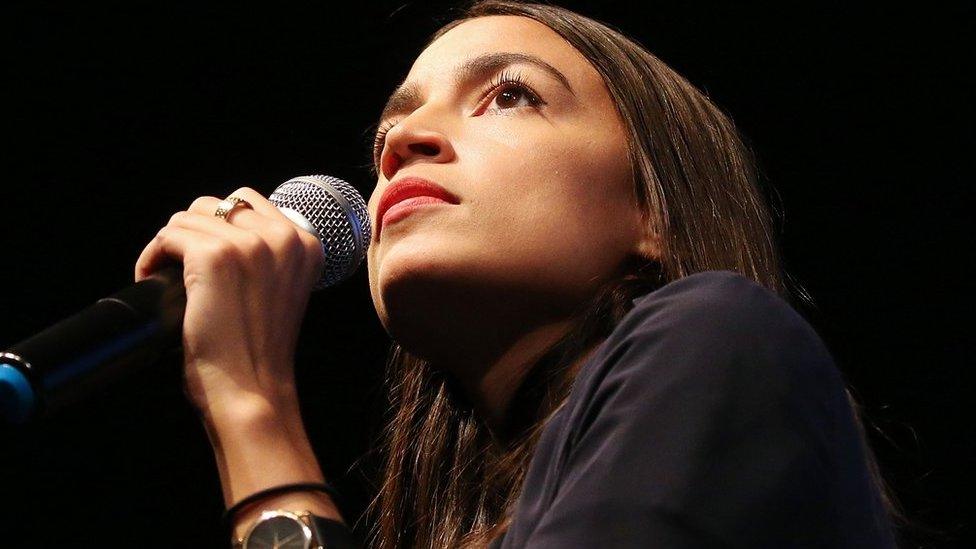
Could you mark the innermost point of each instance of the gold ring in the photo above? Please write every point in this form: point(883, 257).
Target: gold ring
point(225, 206)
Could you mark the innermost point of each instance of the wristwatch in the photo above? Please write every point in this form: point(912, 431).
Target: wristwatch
point(280, 529)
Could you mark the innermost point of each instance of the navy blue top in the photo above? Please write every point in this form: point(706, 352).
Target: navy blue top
point(713, 416)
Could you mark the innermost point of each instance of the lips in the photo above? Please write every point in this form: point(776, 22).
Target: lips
point(407, 188)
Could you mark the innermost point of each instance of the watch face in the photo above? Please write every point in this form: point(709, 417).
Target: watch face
point(279, 530)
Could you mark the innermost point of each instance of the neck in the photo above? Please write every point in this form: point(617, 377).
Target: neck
point(490, 386)
point(486, 350)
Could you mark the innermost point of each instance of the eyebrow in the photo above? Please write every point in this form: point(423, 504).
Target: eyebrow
point(407, 98)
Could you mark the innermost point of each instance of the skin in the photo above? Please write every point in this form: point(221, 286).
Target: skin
point(546, 210)
point(479, 288)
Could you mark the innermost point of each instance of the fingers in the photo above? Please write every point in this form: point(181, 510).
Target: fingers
point(241, 216)
point(171, 243)
point(258, 234)
point(207, 205)
point(261, 204)
point(264, 215)
point(187, 231)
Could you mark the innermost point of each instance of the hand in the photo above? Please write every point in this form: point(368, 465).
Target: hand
point(247, 281)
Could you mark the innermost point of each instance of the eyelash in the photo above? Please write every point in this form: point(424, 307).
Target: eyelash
point(503, 82)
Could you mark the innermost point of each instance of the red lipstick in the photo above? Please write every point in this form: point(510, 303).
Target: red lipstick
point(406, 195)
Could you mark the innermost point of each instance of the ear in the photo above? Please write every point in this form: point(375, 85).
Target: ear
point(649, 245)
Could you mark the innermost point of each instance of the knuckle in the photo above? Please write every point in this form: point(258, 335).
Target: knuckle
point(221, 251)
point(176, 218)
point(249, 248)
point(253, 243)
point(312, 244)
point(200, 203)
point(161, 234)
point(287, 238)
point(244, 192)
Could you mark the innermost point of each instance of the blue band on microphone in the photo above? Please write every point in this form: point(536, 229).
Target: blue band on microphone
point(16, 395)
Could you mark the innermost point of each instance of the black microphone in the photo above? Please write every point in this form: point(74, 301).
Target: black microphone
point(135, 326)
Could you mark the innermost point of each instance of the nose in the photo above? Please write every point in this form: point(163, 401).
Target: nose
point(409, 142)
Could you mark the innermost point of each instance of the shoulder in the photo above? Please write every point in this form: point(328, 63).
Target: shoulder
point(722, 317)
point(722, 304)
point(714, 334)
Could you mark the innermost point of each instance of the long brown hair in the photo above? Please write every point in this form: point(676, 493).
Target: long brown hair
point(448, 481)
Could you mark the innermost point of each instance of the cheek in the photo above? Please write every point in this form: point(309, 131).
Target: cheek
point(555, 212)
point(566, 181)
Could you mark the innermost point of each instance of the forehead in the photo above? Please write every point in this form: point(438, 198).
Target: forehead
point(501, 33)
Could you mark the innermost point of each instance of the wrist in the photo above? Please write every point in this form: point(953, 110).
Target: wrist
point(254, 426)
point(298, 498)
point(258, 444)
point(248, 412)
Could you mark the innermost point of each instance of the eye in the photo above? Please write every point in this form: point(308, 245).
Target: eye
point(510, 91)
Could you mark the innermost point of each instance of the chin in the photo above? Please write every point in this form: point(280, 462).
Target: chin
point(409, 286)
point(419, 297)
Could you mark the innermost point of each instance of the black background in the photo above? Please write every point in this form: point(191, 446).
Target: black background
point(119, 114)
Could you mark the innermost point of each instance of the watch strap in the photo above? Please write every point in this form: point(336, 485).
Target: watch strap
point(332, 534)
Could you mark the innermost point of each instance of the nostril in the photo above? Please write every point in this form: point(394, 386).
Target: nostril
point(424, 148)
point(390, 165)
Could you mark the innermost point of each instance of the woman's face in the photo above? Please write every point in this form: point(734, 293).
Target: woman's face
point(545, 208)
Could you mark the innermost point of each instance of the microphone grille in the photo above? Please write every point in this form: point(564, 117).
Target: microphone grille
point(335, 212)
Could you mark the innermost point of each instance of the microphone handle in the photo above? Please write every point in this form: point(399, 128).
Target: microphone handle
point(116, 336)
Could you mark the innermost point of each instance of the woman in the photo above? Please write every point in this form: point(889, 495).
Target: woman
point(592, 344)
